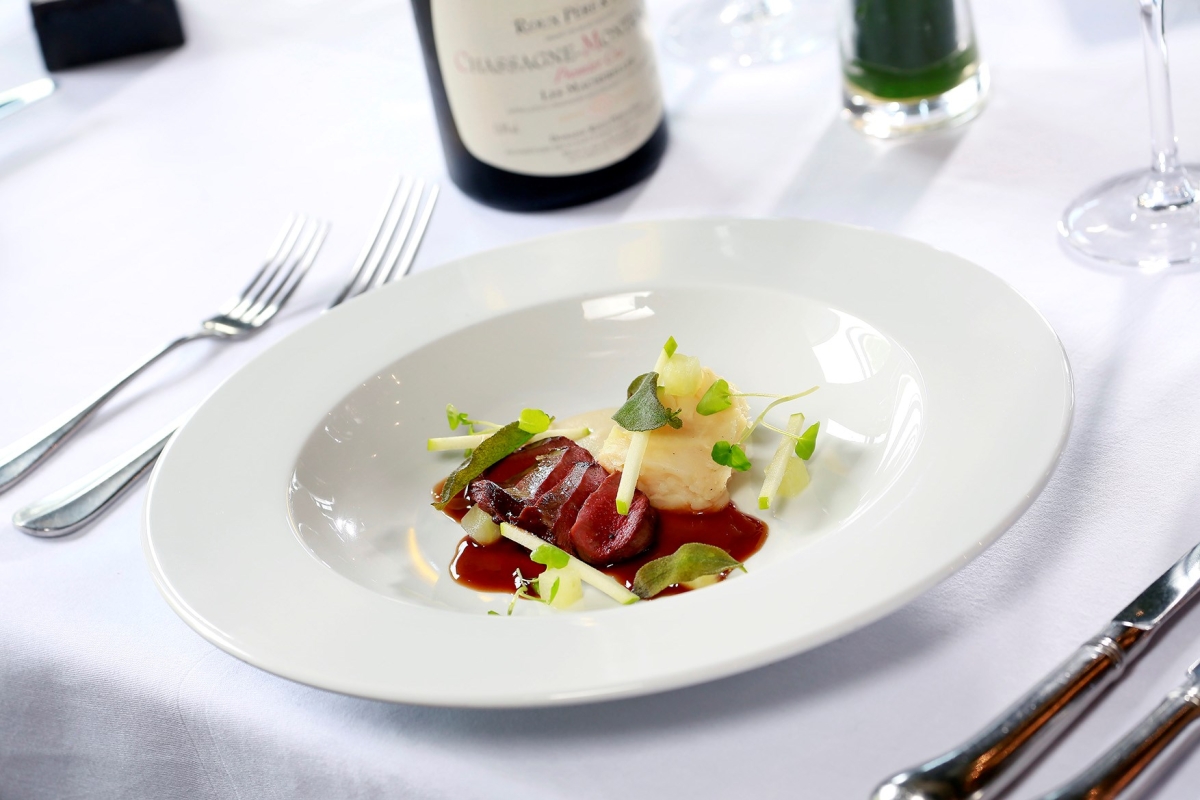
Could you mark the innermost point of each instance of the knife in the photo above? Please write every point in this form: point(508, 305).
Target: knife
point(1133, 763)
point(989, 762)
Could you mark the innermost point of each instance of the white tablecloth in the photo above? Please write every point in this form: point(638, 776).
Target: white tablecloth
point(138, 198)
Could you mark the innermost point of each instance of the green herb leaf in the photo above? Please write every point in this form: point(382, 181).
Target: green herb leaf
point(716, 398)
point(491, 450)
point(643, 411)
point(808, 441)
point(551, 556)
point(670, 347)
point(493, 613)
point(730, 455)
point(455, 417)
point(533, 420)
point(553, 591)
point(691, 561)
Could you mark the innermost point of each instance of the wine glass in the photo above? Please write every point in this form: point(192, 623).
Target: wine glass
point(1150, 218)
point(724, 33)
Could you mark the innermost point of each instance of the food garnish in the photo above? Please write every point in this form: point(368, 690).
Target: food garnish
point(607, 512)
point(732, 455)
point(495, 447)
point(471, 441)
point(479, 526)
point(587, 573)
point(779, 462)
point(458, 418)
point(691, 561)
point(642, 386)
point(643, 411)
point(808, 442)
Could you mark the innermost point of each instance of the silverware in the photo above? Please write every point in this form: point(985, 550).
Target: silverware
point(1133, 763)
point(387, 255)
point(272, 286)
point(1000, 752)
point(13, 100)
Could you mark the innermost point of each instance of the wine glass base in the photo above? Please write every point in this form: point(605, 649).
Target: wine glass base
point(719, 34)
point(1108, 224)
point(887, 118)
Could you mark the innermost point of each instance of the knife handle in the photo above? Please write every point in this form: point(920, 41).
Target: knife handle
point(1000, 752)
point(1125, 770)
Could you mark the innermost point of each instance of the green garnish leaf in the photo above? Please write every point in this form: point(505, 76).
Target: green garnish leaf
point(670, 347)
point(533, 420)
point(716, 398)
point(730, 455)
point(643, 411)
point(691, 561)
point(553, 591)
point(456, 417)
point(551, 556)
point(493, 613)
point(808, 441)
point(490, 450)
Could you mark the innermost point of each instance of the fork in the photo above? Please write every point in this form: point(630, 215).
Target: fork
point(286, 264)
point(388, 255)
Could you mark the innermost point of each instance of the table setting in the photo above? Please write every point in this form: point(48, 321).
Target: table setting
point(236, 564)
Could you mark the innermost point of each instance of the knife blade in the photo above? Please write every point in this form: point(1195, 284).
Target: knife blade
point(13, 100)
point(983, 766)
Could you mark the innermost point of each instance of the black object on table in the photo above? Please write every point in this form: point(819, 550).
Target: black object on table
point(73, 33)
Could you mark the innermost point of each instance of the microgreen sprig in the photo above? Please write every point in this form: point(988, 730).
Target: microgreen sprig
point(732, 454)
point(457, 418)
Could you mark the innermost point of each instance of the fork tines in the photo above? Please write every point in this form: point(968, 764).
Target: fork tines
point(288, 261)
point(389, 254)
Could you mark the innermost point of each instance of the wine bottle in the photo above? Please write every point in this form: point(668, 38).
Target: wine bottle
point(543, 103)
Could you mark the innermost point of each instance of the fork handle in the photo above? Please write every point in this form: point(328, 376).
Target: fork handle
point(22, 456)
point(990, 761)
point(1133, 763)
point(79, 503)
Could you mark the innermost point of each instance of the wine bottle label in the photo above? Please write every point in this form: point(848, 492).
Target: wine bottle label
point(548, 87)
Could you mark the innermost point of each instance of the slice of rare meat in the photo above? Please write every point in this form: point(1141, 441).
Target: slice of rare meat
point(602, 536)
point(555, 511)
point(517, 482)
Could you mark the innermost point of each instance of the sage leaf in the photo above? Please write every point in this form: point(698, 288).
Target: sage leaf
point(643, 411)
point(808, 441)
point(551, 556)
point(730, 455)
point(488, 452)
point(691, 561)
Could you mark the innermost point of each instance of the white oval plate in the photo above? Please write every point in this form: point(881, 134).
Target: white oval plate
point(289, 523)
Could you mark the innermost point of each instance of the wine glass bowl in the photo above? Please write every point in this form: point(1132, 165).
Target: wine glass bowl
point(1148, 219)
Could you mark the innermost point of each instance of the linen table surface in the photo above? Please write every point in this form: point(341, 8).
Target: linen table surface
point(141, 195)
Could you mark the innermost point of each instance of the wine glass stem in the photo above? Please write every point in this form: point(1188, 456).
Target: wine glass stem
point(1168, 185)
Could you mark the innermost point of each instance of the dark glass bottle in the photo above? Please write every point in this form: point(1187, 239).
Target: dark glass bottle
point(543, 104)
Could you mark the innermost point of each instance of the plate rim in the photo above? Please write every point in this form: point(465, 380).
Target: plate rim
point(679, 677)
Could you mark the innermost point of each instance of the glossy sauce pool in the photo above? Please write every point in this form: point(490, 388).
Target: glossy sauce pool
point(492, 568)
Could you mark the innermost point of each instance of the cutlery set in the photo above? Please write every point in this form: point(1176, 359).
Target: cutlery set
point(997, 755)
point(387, 255)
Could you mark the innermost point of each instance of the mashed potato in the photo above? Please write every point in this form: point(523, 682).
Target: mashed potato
point(678, 473)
